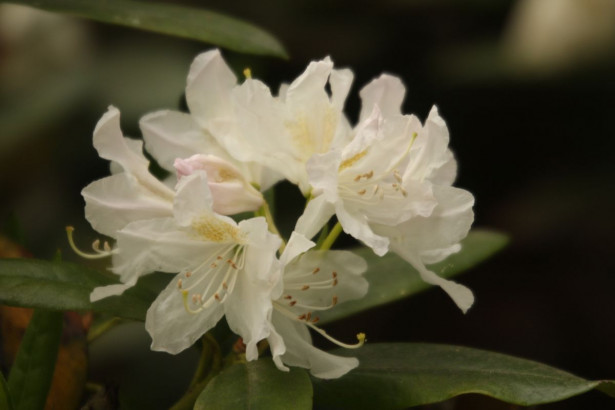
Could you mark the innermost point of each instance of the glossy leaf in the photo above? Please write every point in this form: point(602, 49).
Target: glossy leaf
point(400, 375)
point(177, 20)
point(66, 286)
point(5, 397)
point(32, 371)
point(391, 278)
point(257, 385)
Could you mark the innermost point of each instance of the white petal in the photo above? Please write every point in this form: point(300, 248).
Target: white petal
point(158, 245)
point(316, 214)
point(461, 295)
point(387, 92)
point(310, 85)
point(301, 353)
point(170, 134)
point(208, 87)
point(318, 279)
point(111, 145)
point(340, 82)
point(357, 226)
point(193, 198)
point(102, 292)
point(113, 202)
point(247, 310)
point(260, 254)
point(322, 170)
point(172, 327)
point(297, 244)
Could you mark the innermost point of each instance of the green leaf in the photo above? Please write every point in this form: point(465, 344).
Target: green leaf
point(67, 286)
point(177, 20)
point(401, 375)
point(5, 397)
point(32, 371)
point(257, 385)
point(391, 278)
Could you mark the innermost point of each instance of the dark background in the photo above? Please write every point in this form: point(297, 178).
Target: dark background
point(530, 123)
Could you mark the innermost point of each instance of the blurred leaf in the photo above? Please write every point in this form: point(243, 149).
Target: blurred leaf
point(399, 375)
point(181, 21)
point(391, 278)
point(66, 286)
point(32, 371)
point(5, 397)
point(257, 385)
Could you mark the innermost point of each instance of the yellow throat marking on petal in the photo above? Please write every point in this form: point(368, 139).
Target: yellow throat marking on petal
point(213, 229)
point(347, 163)
point(313, 138)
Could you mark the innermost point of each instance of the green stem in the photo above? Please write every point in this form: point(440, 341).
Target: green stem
point(330, 239)
point(209, 366)
point(99, 330)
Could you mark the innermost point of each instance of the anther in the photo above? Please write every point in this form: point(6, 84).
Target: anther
point(188, 274)
point(334, 282)
point(293, 303)
point(308, 317)
point(357, 178)
point(224, 285)
point(214, 265)
point(288, 297)
point(397, 176)
point(315, 320)
point(334, 300)
point(195, 299)
point(315, 271)
point(369, 174)
point(219, 258)
point(302, 317)
point(334, 274)
point(179, 284)
point(217, 297)
point(305, 287)
point(362, 192)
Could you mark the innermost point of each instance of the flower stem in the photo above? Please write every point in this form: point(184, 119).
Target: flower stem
point(209, 366)
point(99, 330)
point(330, 239)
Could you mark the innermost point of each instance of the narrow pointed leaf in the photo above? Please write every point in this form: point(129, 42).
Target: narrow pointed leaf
point(66, 286)
point(32, 371)
point(399, 375)
point(5, 397)
point(257, 385)
point(177, 20)
point(391, 278)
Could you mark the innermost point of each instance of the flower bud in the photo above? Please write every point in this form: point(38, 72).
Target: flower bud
point(230, 190)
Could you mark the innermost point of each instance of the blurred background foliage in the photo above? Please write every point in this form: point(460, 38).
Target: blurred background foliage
point(527, 88)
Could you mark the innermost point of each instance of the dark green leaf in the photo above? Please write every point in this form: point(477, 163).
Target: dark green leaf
point(177, 20)
point(391, 278)
point(32, 371)
point(5, 397)
point(257, 385)
point(66, 286)
point(400, 375)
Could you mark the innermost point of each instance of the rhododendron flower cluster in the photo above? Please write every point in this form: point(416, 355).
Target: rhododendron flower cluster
point(386, 181)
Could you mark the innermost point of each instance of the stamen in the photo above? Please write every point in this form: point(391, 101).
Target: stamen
point(360, 338)
point(247, 72)
point(95, 245)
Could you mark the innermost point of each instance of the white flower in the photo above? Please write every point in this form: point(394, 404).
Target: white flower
point(130, 194)
point(313, 281)
point(281, 133)
point(223, 268)
point(391, 186)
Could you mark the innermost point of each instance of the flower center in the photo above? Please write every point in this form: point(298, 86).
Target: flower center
point(213, 280)
point(216, 230)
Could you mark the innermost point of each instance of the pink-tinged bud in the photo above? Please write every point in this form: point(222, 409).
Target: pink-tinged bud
point(230, 190)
